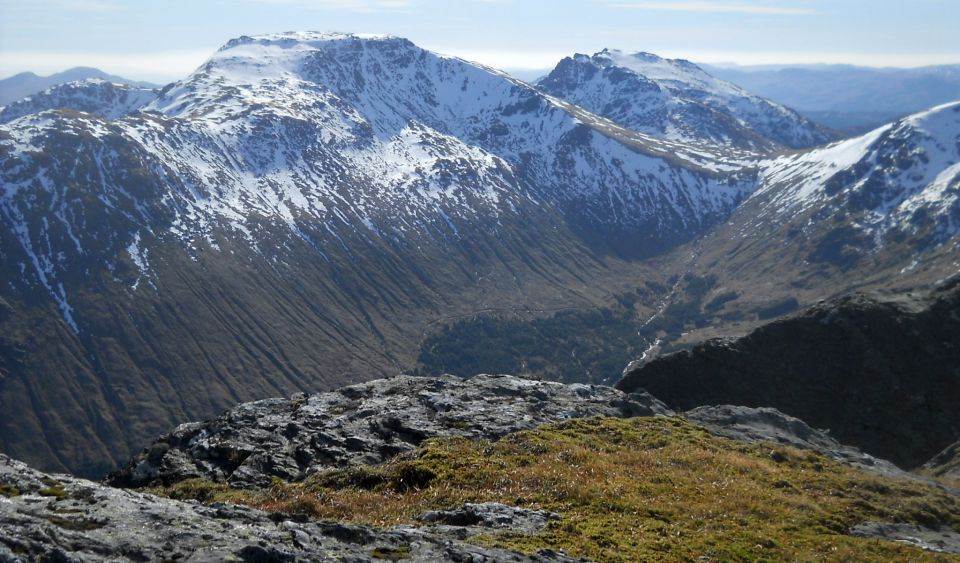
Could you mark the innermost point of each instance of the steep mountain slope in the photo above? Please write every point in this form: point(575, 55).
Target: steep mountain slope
point(291, 217)
point(883, 376)
point(880, 212)
point(99, 97)
point(25, 84)
point(677, 100)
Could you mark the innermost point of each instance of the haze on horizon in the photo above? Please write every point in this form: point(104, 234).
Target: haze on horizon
point(165, 41)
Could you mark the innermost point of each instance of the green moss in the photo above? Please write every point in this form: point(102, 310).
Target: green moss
point(391, 553)
point(56, 492)
point(629, 490)
point(206, 491)
point(9, 490)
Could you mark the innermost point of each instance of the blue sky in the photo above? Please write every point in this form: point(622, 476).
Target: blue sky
point(166, 39)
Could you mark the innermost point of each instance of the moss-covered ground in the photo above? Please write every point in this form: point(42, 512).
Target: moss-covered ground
point(627, 490)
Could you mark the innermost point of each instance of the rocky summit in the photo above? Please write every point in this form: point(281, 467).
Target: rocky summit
point(492, 468)
point(365, 424)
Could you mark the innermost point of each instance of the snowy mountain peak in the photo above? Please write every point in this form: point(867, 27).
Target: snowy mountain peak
point(901, 178)
point(677, 100)
point(655, 67)
point(313, 38)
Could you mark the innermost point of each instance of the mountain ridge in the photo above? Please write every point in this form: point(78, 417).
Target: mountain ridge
point(19, 86)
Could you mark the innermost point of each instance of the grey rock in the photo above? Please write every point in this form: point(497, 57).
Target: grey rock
point(492, 515)
point(362, 424)
point(62, 518)
point(943, 540)
point(946, 464)
point(747, 424)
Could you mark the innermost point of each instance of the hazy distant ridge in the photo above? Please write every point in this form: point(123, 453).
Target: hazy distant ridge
point(25, 84)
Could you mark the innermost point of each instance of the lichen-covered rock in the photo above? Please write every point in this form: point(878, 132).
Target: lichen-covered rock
point(61, 518)
point(365, 424)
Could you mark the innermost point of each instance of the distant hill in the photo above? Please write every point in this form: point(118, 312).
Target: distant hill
point(845, 97)
point(21, 85)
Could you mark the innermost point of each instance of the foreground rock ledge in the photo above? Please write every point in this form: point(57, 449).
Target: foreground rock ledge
point(365, 424)
point(61, 518)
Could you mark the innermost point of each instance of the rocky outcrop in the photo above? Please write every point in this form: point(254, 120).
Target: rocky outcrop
point(60, 518)
point(882, 376)
point(751, 425)
point(946, 464)
point(364, 424)
point(492, 516)
point(943, 540)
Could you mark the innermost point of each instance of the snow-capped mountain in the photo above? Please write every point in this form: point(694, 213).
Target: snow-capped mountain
point(898, 181)
point(875, 212)
point(313, 129)
point(415, 127)
point(293, 214)
point(677, 100)
point(99, 97)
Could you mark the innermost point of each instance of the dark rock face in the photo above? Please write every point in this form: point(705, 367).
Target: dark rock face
point(365, 424)
point(60, 518)
point(882, 376)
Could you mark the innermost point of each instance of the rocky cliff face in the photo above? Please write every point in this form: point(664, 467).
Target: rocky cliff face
point(882, 376)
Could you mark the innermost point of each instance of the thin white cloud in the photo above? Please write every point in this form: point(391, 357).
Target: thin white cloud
point(93, 6)
point(529, 60)
point(786, 58)
point(348, 5)
point(161, 66)
point(505, 59)
point(715, 8)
